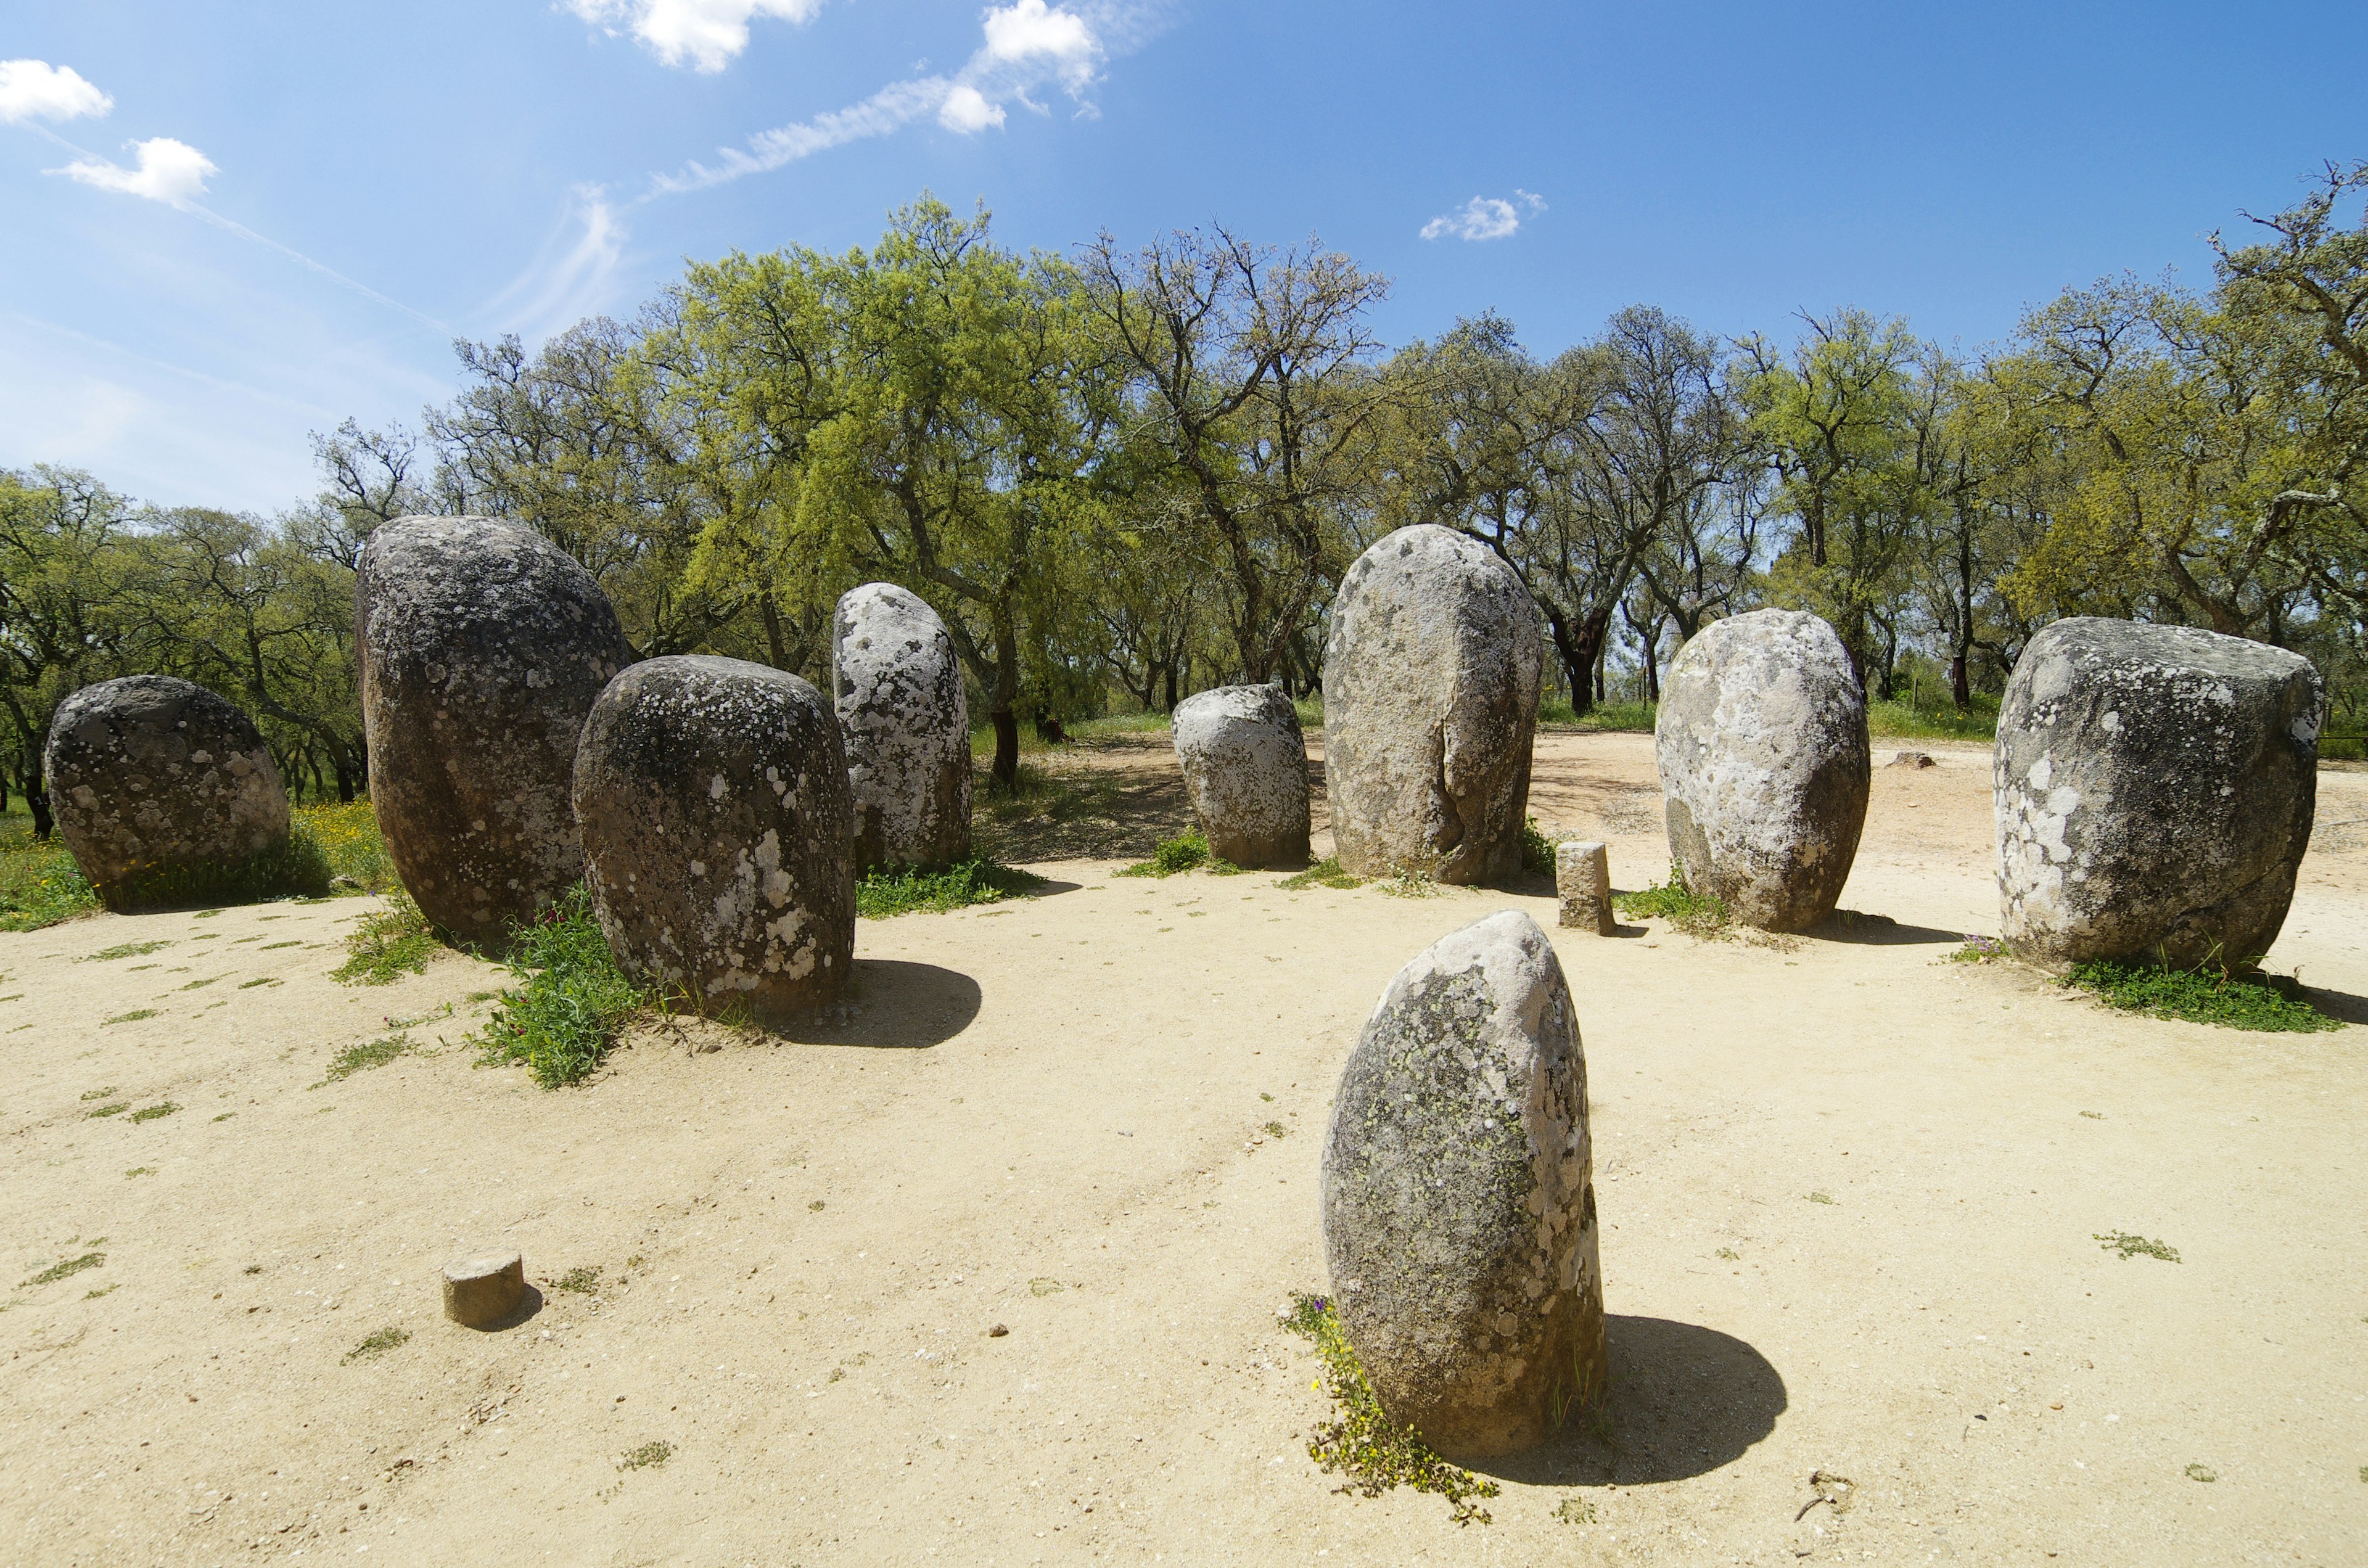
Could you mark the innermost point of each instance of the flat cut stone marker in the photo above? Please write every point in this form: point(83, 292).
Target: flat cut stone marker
point(1583, 878)
point(483, 1288)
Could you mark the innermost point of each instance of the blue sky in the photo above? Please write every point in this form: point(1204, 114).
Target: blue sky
point(230, 225)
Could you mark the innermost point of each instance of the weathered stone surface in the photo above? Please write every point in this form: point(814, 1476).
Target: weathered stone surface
point(1459, 1199)
point(1761, 740)
point(2154, 788)
point(1911, 759)
point(1583, 883)
point(719, 833)
point(898, 689)
point(153, 774)
point(1245, 762)
point(1430, 700)
point(481, 1288)
point(482, 645)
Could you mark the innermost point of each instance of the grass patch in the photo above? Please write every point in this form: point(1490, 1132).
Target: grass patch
point(294, 867)
point(40, 884)
point(67, 1269)
point(117, 1108)
point(1697, 915)
point(2201, 1472)
point(348, 839)
point(1911, 720)
point(100, 1094)
point(1576, 1511)
point(1187, 851)
point(1980, 949)
point(562, 1021)
point(377, 1344)
point(127, 950)
point(154, 1112)
point(1325, 873)
point(132, 1016)
point(361, 1058)
point(1555, 714)
point(2131, 1246)
point(139, 1171)
point(1537, 849)
point(1363, 1445)
point(583, 1281)
point(2205, 994)
point(904, 889)
point(385, 946)
point(649, 1456)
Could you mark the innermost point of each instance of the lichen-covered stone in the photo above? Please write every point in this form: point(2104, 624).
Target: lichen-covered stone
point(898, 689)
point(1245, 763)
point(151, 774)
point(1459, 1199)
point(1430, 701)
point(482, 645)
point(1582, 886)
point(1761, 742)
point(2155, 787)
point(719, 833)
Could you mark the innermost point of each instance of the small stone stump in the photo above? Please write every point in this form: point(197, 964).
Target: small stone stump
point(482, 1288)
point(1762, 748)
point(2154, 789)
point(1459, 1199)
point(482, 645)
point(1583, 882)
point(1430, 702)
point(719, 834)
point(897, 687)
point(1245, 763)
point(153, 775)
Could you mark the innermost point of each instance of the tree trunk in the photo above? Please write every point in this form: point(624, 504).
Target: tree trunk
point(1960, 688)
point(773, 641)
point(344, 781)
point(37, 800)
point(1004, 714)
point(1653, 663)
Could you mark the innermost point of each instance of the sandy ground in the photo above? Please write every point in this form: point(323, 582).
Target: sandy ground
point(1849, 1192)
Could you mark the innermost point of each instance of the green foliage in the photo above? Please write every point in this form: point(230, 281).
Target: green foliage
point(132, 1016)
point(1325, 873)
point(1556, 713)
point(117, 1108)
point(2201, 1472)
point(649, 1456)
point(1924, 722)
point(1537, 849)
point(377, 1344)
point(361, 1058)
point(2205, 994)
point(560, 1023)
point(1697, 915)
point(1187, 851)
point(348, 837)
point(68, 1267)
point(888, 891)
point(1364, 1444)
point(154, 1112)
point(1980, 949)
point(2129, 1246)
point(582, 1281)
point(127, 950)
point(1576, 1511)
point(386, 945)
point(40, 884)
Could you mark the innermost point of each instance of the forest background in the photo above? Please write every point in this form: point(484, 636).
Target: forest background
point(1126, 474)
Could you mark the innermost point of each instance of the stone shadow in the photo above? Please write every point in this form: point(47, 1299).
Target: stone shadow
point(1877, 931)
point(1685, 1400)
point(528, 1304)
point(894, 1005)
point(2341, 1005)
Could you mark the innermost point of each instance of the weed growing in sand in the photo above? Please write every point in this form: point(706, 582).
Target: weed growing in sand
point(132, 1016)
point(102, 1291)
point(1576, 1511)
point(1980, 949)
point(1325, 873)
point(153, 1112)
point(2131, 1246)
point(1373, 1452)
point(581, 1280)
point(127, 950)
point(2201, 1472)
point(117, 1108)
point(2094, 1115)
point(1537, 849)
point(1187, 851)
point(2208, 994)
point(906, 889)
point(1821, 1197)
point(67, 1269)
point(649, 1456)
point(360, 1058)
point(99, 1094)
point(377, 1344)
point(1043, 1286)
point(139, 1171)
point(1697, 915)
point(1730, 1255)
point(1410, 884)
point(251, 985)
point(1275, 1130)
point(388, 944)
point(560, 1023)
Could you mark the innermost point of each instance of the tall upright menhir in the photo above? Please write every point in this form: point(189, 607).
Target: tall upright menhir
point(897, 689)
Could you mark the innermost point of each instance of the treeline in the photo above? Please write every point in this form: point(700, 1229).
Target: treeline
point(1142, 472)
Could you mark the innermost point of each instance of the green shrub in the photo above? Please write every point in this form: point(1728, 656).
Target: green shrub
point(385, 946)
point(903, 890)
point(1697, 915)
point(1185, 852)
point(1363, 1445)
point(1325, 873)
point(563, 1020)
point(1537, 849)
point(2237, 999)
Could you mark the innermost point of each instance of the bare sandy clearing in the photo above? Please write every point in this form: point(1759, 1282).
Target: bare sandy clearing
point(1049, 1116)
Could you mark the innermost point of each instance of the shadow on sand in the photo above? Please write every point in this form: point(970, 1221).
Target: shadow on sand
point(1877, 931)
point(1685, 1400)
point(894, 1005)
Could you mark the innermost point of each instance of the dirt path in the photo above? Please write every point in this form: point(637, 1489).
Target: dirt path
point(1849, 1192)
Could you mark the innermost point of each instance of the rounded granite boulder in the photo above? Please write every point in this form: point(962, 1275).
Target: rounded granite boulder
point(1244, 764)
point(897, 687)
point(718, 834)
point(2155, 788)
point(1761, 742)
point(1459, 1198)
point(1430, 702)
point(152, 776)
point(482, 645)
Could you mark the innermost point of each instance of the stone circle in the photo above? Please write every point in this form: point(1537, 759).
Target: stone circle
point(1244, 764)
point(897, 685)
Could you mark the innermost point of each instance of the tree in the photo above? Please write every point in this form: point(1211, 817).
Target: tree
point(63, 565)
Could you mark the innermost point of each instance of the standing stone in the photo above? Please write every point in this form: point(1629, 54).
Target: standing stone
point(1459, 1198)
point(1245, 762)
point(1761, 740)
point(898, 689)
point(482, 645)
point(1583, 880)
point(719, 834)
point(152, 775)
point(1430, 699)
point(2155, 788)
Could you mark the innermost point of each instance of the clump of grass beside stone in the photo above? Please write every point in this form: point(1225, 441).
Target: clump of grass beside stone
point(1325, 873)
point(1697, 915)
point(904, 890)
point(1364, 1445)
point(2205, 994)
point(1187, 851)
point(562, 1022)
point(388, 944)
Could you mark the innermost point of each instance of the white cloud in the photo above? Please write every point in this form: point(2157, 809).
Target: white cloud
point(966, 110)
point(168, 171)
point(34, 89)
point(891, 108)
point(1031, 31)
point(707, 33)
point(565, 285)
point(1485, 218)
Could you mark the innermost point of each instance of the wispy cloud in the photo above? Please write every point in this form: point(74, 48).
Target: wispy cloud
point(1485, 218)
point(575, 275)
point(164, 170)
point(705, 34)
point(35, 89)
